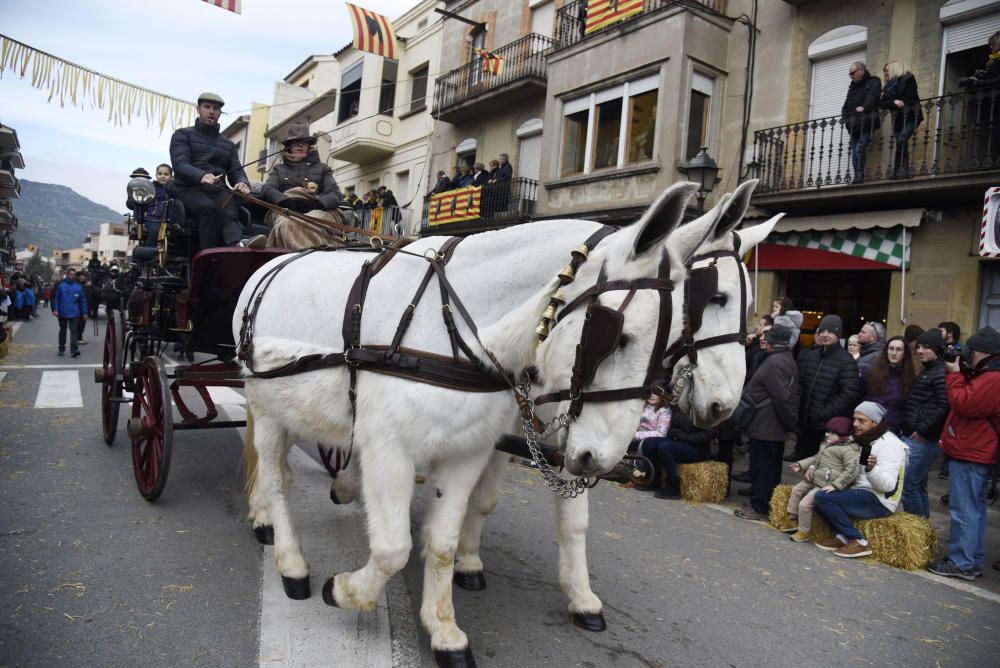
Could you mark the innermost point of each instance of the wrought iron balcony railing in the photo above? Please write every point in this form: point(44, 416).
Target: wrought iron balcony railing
point(957, 134)
point(523, 58)
point(572, 16)
point(513, 201)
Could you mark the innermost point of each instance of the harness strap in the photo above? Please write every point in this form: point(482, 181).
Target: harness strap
point(609, 286)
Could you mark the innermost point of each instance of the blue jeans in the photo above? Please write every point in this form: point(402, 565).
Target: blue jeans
point(666, 453)
point(859, 149)
point(967, 483)
point(922, 456)
point(837, 508)
point(901, 160)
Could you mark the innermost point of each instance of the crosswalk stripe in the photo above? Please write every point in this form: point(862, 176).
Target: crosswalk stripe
point(59, 389)
point(3, 374)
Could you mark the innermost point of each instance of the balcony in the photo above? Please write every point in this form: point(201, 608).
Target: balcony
point(572, 17)
point(460, 94)
point(9, 186)
point(951, 158)
point(360, 140)
point(500, 205)
point(8, 221)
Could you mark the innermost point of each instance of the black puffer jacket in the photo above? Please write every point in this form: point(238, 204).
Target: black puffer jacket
point(865, 94)
point(774, 388)
point(286, 175)
point(200, 150)
point(683, 429)
point(926, 409)
point(828, 376)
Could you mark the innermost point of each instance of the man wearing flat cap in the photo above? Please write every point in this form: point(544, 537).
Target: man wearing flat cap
point(877, 490)
point(970, 441)
point(203, 160)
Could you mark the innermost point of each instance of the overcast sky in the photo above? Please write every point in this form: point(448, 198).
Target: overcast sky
point(176, 47)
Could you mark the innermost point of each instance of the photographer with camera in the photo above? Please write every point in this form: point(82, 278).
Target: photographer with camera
point(983, 104)
point(970, 440)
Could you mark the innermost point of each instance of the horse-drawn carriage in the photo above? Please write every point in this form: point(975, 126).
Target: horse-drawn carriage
point(174, 298)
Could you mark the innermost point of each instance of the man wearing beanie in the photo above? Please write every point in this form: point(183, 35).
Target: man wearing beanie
point(970, 440)
point(877, 490)
point(830, 386)
point(924, 413)
point(773, 394)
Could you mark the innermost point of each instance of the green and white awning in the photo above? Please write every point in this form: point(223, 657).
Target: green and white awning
point(878, 245)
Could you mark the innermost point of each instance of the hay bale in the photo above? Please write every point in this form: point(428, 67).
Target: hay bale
point(703, 482)
point(901, 540)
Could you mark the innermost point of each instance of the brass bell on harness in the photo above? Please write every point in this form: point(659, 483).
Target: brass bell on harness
point(558, 297)
point(543, 329)
point(580, 253)
point(567, 274)
point(550, 312)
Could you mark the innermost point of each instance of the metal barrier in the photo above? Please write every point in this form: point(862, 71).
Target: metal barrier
point(958, 133)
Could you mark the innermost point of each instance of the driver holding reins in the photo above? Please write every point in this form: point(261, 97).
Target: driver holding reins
point(202, 160)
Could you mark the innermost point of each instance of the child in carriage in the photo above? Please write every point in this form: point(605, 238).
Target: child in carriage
point(834, 467)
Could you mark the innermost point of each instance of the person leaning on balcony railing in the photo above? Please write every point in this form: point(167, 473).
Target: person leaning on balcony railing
point(901, 98)
point(860, 113)
point(984, 105)
point(443, 183)
point(303, 183)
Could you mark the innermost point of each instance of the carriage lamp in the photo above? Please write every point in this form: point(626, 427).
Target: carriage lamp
point(140, 191)
point(702, 170)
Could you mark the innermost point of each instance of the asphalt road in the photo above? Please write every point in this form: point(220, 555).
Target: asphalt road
point(92, 575)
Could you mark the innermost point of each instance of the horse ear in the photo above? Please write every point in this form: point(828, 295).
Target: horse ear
point(685, 242)
point(751, 236)
point(662, 217)
point(736, 209)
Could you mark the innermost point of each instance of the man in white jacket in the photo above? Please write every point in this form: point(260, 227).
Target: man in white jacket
point(877, 490)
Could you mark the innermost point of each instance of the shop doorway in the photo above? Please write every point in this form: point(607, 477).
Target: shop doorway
point(857, 296)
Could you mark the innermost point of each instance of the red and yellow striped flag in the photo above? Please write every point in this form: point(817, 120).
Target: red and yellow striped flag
point(372, 32)
point(602, 13)
point(492, 63)
point(230, 5)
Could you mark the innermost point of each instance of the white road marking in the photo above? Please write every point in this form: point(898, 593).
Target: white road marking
point(14, 327)
point(59, 389)
point(2, 375)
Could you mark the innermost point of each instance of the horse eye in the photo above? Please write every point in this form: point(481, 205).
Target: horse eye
point(719, 299)
point(624, 340)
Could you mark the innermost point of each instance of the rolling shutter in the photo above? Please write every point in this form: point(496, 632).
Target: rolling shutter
point(970, 34)
point(529, 158)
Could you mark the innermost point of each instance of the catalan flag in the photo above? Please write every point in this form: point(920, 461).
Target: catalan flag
point(455, 206)
point(492, 63)
point(230, 5)
point(372, 32)
point(602, 13)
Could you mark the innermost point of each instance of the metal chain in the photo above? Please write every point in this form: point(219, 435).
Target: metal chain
point(685, 383)
point(566, 488)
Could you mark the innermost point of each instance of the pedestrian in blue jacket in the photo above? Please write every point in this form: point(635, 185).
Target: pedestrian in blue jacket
point(29, 302)
point(69, 304)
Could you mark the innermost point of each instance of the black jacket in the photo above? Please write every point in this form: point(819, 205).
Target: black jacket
point(775, 380)
point(864, 93)
point(683, 429)
point(200, 150)
point(443, 185)
point(480, 178)
point(926, 409)
point(830, 386)
point(906, 90)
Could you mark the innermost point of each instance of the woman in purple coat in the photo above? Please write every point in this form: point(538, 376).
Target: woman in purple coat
point(890, 378)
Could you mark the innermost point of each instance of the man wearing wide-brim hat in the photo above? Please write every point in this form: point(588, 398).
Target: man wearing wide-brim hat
point(203, 160)
point(301, 182)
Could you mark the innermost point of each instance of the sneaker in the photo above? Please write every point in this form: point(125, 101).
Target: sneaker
point(258, 241)
point(750, 514)
point(830, 544)
point(800, 536)
point(854, 549)
point(75, 354)
point(61, 353)
point(946, 569)
point(790, 526)
point(977, 571)
point(82, 342)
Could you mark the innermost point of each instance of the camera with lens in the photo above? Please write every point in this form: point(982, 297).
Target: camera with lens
point(951, 354)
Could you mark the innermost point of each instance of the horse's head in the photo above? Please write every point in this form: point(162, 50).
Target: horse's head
point(621, 314)
point(708, 361)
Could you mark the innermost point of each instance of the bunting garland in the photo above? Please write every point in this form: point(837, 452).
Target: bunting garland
point(64, 80)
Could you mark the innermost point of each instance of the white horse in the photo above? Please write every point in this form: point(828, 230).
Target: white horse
point(723, 314)
point(506, 280)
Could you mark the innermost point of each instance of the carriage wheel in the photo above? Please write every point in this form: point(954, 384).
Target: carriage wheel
point(111, 383)
point(151, 428)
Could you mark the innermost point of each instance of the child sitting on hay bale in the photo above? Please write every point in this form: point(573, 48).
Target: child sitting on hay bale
point(834, 467)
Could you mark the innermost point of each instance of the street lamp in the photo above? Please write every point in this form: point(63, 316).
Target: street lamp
point(702, 170)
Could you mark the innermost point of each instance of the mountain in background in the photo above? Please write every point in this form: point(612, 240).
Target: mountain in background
point(53, 216)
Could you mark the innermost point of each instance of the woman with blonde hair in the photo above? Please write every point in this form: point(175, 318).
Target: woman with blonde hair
point(901, 98)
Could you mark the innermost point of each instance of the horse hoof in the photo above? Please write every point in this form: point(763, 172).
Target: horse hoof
point(328, 593)
point(333, 495)
point(296, 589)
point(470, 581)
point(590, 621)
point(265, 534)
point(455, 658)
